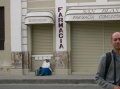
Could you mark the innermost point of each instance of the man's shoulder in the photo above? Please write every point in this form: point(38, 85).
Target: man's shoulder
point(106, 54)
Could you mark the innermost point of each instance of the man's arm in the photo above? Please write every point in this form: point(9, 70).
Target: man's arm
point(100, 75)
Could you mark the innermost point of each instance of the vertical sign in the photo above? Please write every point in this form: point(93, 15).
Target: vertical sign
point(61, 42)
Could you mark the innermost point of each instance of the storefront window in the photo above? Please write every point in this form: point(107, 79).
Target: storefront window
point(2, 28)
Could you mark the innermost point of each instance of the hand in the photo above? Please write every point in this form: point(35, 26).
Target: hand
point(116, 87)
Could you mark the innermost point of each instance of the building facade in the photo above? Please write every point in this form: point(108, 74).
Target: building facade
point(73, 34)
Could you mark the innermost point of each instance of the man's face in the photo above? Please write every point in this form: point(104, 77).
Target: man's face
point(116, 40)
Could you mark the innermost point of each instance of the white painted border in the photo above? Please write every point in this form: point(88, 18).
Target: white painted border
point(38, 0)
point(99, 1)
point(93, 3)
point(15, 10)
point(41, 57)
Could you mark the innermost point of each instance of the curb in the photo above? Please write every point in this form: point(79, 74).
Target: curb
point(47, 81)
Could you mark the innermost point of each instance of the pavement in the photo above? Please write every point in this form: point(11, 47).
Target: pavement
point(54, 79)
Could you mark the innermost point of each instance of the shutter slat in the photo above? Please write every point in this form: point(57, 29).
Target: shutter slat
point(42, 39)
point(86, 47)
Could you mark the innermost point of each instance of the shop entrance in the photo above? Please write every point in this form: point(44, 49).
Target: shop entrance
point(89, 40)
point(41, 43)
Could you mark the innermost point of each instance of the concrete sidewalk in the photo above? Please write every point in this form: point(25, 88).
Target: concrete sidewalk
point(54, 79)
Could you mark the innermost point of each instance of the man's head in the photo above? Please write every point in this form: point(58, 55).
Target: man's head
point(116, 41)
point(47, 60)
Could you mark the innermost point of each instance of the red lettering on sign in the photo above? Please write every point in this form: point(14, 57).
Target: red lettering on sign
point(60, 40)
point(61, 46)
point(60, 35)
point(60, 25)
point(60, 15)
point(60, 30)
point(60, 19)
point(59, 9)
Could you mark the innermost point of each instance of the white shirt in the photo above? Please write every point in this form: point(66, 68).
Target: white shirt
point(46, 64)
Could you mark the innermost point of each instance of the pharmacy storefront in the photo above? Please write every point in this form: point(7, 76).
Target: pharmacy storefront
point(71, 34)
point(72, 37)
point(90, 30)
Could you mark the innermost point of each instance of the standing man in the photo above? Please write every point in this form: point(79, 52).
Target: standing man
point(111, 78)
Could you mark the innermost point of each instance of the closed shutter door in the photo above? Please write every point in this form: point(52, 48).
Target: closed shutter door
point(42, 39)
point(89, 40)
point(87, 45)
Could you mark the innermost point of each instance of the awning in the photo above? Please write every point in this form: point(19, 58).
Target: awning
point(39, 18)
point(93, 13)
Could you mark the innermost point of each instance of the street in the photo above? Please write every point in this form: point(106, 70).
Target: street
point(48, 86)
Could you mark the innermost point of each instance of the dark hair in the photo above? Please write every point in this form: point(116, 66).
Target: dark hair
point(47, 60)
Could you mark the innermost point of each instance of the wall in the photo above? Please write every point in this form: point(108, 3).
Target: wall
point(5, 54)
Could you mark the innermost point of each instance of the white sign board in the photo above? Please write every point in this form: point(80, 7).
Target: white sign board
point(93, 17)
point(61, 42)
point(93, 14)
point(39, 20)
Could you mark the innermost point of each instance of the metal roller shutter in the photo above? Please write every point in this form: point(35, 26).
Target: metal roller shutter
point(42, 39)
point(89, 40)
point(109, 28)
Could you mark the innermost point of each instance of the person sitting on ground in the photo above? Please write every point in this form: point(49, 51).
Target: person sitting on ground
point(45, 68)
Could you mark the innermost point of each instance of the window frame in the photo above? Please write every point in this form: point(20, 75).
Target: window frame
point(2, 27)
